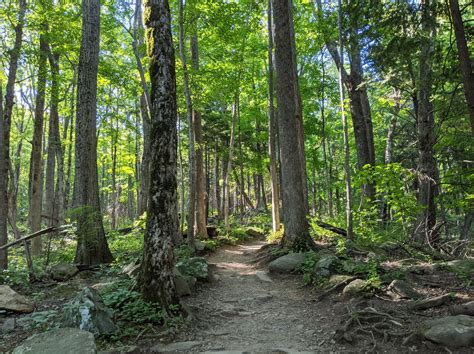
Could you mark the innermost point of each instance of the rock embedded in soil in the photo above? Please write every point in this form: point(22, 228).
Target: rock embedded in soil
point(430, 302)
point(463, 309)
point(12, 301)
point(59, 341)
point(87, 311)
point(356, 287)
point(401, 289)
point(62, 271)
point(451, 331)
point(184, 283)
point(338, 279)
point(287, 263)
point(9, 325)
point(263, 276)
point(326, 265)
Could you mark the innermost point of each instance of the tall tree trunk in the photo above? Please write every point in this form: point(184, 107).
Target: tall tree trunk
point(464, 59)
point(226, 188)
point(189, 114)
point(427, 166)
point(347, 156)
point(144, 166)
point(36, 159)
point(295, 208)
point(92, 247)
point(5, 125)
point(69, 131)
point(217, 188)
point(201, 228)
point(272, 128)
point(156, 279)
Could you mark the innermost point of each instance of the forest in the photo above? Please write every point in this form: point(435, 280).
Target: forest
point(248, 175)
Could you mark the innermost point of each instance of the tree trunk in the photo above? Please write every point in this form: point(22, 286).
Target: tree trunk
point(427, 167)
point(5, 125)
point(464, 59)
point(217, 188)
point(201, 228)
point(36, 159)
point(347, 155)
point(272, 128)
point(92, 247)
point(145, 165)
point(189, 114)
point(226, 188)
point(156, 279)
point(295, 208)
point(69, 129)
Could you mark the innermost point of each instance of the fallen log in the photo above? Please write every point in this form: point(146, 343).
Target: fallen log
point(33, 235)
point(463, 309)
point(430, 302)
point(332, 228)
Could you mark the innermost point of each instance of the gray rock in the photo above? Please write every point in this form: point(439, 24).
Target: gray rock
point(199, 245)
point(401, 289)
point(326, 265)
point(463, 309)
point(184, 283)
point(62, 271)
point(9, 325)
point(59, 341)
point(122, 350)
point(88, 312)
point(195, 267)
point(355, 288)
point(175, 347)
point(338, 279)
point(12, 301)
point(263, 276)
point(451, 331)
point(287, 263)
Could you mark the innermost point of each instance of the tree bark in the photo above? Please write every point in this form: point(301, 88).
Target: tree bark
point(464, 58)
point(295, 207)
point(36, 159)
point(156, 279)
point(226, 188)
point(5, 125)
point(92, 247)
point(201, 228)
point(145, 165)
point(427, 166)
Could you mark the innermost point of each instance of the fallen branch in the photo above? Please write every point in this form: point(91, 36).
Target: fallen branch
point(33, 235)
point(430, 302)
point(332, 228)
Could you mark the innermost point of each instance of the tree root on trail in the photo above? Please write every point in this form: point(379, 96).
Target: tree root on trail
point(334, 288)
point(371, 323)
point(268, 253)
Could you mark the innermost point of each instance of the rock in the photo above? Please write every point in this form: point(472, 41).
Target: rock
point(463, 309)
point(425, 268)
point(102, 286)
point(59, 341)
point(88, 312)
point(263, 276)
point(122, 350)
point(38, 318)
point(12, 301)
point(9, 325)
point(338, 279)
point(430, 302)
point(63, 271)
point(287, 263)
point(132, 269)
point(195, 267)
point(175, 347)
point(401, 289)
point(451, 331)
point(199, 245)
point(326, 265)
point(355, 288)
point(184, 283)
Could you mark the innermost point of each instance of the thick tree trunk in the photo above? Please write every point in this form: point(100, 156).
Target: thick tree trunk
point(92, 247)
point(226, 188)
point(145, 165)
point(68, 135)
point(5, 125)
point(200, 223)
point(36, 159)
point(156, 279)
point(464, 58)
point(427, 166)
point(295, 208)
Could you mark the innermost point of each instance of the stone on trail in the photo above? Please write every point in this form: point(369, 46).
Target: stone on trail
point(62, 271)
point(263, 276)
point(401, 289)
point(430, 302)
point(9, 325)
point(451, 331)
point(326, 265)
point(184, 283)
point(355, 288)
point(12, 301)
point(88, 312)
point(59, 341)
point(338, 279)
point(180, 347)
point(463, 309)
point(287, 263)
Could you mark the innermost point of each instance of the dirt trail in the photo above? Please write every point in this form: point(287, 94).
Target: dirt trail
point(240, 312)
